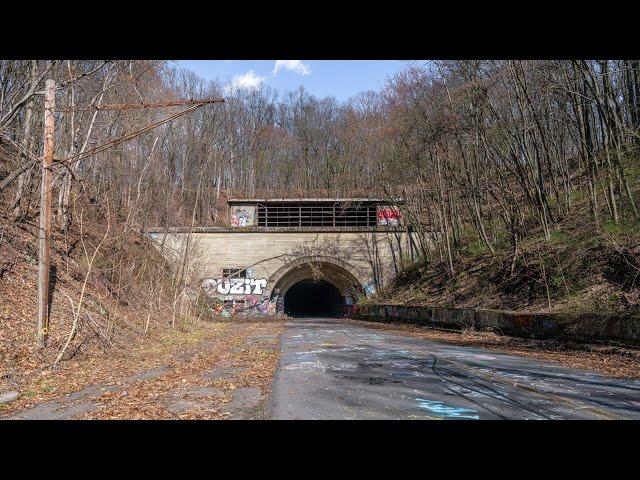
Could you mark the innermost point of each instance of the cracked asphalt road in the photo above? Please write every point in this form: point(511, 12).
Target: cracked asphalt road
point(334, 370)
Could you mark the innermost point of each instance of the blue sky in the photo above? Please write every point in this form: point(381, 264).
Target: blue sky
point(338, 78)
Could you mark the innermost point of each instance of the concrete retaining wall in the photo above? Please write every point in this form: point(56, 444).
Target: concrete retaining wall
point(585, 326)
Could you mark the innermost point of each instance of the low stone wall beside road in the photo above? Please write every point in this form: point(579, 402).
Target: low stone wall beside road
point(590, 326)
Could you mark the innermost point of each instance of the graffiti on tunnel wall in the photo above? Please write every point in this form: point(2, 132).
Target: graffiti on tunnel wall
point(250, 306)
point(239, 297)
point(369, 288)
point(389, 216)
point(234, 286)
point(242, 215)
point(239, 218)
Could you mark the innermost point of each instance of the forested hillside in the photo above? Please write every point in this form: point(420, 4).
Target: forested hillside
point(521, 178)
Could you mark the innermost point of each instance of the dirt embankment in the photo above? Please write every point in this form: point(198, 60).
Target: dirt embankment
point(578, 270)
point(136, 353)
point(121, 300)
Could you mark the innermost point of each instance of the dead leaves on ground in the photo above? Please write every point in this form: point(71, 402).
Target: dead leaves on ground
point(182, 358)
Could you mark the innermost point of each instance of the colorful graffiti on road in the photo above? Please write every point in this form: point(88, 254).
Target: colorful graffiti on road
point(446, 411)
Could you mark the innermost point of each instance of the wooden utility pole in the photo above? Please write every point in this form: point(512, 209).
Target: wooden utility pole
point(44, 233)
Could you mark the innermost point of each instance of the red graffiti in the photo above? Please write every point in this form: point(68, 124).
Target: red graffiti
point(389, 212)
point(388, 216)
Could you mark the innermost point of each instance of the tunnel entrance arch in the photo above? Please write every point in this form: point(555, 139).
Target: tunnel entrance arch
point(315, 286)
point(313, 298)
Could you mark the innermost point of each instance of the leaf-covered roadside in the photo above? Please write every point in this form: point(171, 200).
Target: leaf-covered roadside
point(154, 380)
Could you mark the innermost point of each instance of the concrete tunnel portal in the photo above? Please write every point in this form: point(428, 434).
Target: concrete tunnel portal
point(314, 298)
point(312, 289)
point(300, 257)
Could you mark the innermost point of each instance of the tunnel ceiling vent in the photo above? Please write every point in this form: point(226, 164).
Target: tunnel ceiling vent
point(314, 212)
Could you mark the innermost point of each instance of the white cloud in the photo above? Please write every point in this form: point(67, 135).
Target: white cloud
point(293, 65)
point(247, 81)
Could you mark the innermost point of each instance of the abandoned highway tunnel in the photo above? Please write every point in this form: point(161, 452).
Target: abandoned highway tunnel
point(296, 257)
point(311, 287)
point(312, 298)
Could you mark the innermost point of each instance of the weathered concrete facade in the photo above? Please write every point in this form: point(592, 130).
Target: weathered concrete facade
point(255, 266)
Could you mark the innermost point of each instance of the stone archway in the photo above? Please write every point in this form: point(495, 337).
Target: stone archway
point(316, 285)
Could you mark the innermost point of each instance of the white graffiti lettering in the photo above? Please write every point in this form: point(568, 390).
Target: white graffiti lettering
point(235, 286)
point(224, 287)
point(259, 284)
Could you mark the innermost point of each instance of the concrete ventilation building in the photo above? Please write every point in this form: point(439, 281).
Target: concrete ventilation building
point(296, 256)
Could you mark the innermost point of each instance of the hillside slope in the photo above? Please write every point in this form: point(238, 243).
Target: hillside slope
point(119, 305)
point(583, 267)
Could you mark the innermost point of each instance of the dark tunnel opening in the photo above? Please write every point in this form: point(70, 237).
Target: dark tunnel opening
point(309, 298)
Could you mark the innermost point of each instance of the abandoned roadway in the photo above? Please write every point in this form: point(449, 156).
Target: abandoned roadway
point(330, 369)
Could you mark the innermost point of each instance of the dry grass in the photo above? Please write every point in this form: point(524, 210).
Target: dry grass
point(119, 309)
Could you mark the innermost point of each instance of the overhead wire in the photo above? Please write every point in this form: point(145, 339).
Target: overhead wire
point(112, 143)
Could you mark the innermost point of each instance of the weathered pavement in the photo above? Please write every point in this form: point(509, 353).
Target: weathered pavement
point(333, 370)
